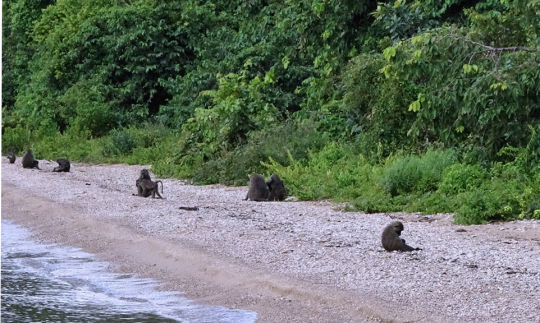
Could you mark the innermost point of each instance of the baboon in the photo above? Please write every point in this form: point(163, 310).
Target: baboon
point(147, 187)
point(276, 188)
point(11, 157)
point(258, 190)
point(390, 238)
point(63, 165)
point(28, 160)
point(145, 174)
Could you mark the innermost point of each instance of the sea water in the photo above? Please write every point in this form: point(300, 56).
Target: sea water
point(51, 283)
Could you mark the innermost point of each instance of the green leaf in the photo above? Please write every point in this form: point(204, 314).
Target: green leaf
point(470, 69)
point(414, 106)
point(269, 77)
point(417, 40)
point(326, 34)
point(499, 85)
point(389, 53)
point(386, 70)
point(285, 61)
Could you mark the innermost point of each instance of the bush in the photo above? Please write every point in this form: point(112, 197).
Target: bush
point(87, 109)
point(407, 174)
point(120, 143)
point(292, 137)
point(458, 91)
point(505, 194)
point(335, 172)
point(374, 105)
point(149, 135)
point(15, 139)
point(495, 201)
point(75, 147)
point(373, 201)
point(459, 178)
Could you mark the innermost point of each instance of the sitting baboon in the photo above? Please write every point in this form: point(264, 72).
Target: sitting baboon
point(28, 160)
point(258, 190)
point(11, 157)
point(390, 238)
point(63, 165)
point(147, 187)
point(276, 188)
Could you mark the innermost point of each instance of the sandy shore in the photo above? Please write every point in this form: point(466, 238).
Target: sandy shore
point(287, 261)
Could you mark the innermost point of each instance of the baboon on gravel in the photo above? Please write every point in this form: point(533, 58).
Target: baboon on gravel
point(258, 190)
point(276, 188)
point(63, 165)
point(28, 160)
point(390, 238)
point(147, 187)
point(11, 157)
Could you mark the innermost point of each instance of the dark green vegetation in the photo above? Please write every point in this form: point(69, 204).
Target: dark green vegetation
point(430, 106)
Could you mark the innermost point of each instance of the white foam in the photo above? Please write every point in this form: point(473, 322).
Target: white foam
point(83, 282)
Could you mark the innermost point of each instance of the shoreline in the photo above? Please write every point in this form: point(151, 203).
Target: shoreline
point(204, 278)
point(287, 261)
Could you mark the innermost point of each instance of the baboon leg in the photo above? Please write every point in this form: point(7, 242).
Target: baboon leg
point(156, 190)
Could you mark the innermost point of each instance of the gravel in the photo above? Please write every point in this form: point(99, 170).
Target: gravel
point(483, 273)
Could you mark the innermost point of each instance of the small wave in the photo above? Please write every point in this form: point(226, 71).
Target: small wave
point(47, 283)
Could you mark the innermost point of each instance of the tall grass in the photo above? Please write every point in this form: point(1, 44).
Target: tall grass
point(313, 168)
point(431, 182)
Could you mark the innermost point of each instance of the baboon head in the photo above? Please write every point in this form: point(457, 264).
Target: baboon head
point(11, 157)
point(276, 188)
point(397, 226)
point(145, 174)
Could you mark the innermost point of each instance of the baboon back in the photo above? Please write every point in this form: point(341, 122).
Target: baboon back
point(391, 238)
point(28, 160)
point(63, 165)
point(277, 191)
point(258, 190)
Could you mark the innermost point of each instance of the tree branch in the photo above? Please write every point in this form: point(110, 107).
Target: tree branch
point(494, 49)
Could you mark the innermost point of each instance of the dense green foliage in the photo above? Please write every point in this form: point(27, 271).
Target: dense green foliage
point(429, 106)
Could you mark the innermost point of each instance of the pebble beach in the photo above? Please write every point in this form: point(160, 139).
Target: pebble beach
point(290, 261)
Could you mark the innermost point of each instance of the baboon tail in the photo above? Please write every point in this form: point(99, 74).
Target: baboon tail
point(406, 247)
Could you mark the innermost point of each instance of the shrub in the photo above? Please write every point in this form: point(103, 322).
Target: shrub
point(507, 194)
point(292, 137)
point(15, 139)
point(335, 172)
point(76, 147)
point(86, 108)
point(239, 107)
point(459, 178)
point(121, 143)
point(407, 174)
point(373, 201)
point(495, 201)
point(149, 135)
